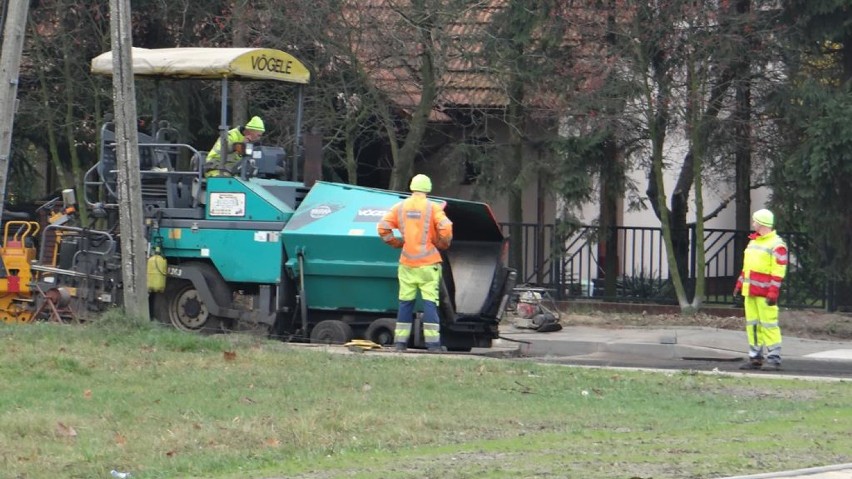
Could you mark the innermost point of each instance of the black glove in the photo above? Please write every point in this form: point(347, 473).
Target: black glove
point(771, 301)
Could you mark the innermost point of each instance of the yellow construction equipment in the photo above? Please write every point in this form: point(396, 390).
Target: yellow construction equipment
point(16, 254)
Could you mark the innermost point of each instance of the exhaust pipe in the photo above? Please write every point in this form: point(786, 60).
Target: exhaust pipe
point(313, 158)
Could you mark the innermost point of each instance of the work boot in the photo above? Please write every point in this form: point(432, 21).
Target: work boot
point(399, 347)
point(771, 366)
point(752, 365)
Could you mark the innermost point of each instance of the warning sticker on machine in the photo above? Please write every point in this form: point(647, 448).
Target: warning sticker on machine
point(227, 204)
point(266, 236)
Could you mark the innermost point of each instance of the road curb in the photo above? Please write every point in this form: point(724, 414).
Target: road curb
point(802, 473)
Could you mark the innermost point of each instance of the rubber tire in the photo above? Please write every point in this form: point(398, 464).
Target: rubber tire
point(170, 306)
point(331, 331)
point(381, 331)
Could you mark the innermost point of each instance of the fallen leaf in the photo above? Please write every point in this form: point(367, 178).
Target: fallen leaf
point(230, 355)
point(273, 442)
point(65, 431)
point(171, 453)
point(119, 439)
point(87, 394)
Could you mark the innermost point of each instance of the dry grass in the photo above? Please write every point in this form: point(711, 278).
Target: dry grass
point(78, 401)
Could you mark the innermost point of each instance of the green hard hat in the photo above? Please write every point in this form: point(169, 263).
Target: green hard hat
point(421, 183)
point(764, 217)
point(255, 124)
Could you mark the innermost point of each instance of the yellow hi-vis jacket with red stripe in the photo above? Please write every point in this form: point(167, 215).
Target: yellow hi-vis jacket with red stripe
point(764, 266)
point(424, 226)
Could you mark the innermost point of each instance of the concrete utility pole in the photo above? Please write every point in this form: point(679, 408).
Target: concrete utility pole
point(10, 63)
point(132, 222)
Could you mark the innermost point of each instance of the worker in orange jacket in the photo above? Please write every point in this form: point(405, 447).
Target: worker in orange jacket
point(425, 229)
point(764, 268)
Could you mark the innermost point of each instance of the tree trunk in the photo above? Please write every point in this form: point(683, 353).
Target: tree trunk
point(847, 58)
point(393, 142)
point(608, 246)
point(76, 168)
point(742, 148)
point(698, 142)
point(351, 160)
point(66, 180)
point(515, 122)
point(657, 101)
point(403, 168)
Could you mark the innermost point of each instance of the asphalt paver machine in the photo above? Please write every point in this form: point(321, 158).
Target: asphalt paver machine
point(259, 250)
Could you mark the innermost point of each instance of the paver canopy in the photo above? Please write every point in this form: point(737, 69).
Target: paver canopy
point(211, 63)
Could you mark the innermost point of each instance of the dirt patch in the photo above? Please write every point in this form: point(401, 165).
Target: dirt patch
point(808, 324)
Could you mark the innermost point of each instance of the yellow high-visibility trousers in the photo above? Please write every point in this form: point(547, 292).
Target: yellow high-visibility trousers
point(762, 330)
point(426, 280)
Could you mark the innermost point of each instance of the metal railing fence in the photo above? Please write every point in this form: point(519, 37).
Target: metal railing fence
point(573, 265)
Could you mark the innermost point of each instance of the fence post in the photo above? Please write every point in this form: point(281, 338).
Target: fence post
point(691, 277)
point(830, 295)
point(556, 255)
point(539, 253)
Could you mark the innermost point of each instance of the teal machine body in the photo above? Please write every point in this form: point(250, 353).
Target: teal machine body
point(294, 257)
point(303, 263)
point(333, 249)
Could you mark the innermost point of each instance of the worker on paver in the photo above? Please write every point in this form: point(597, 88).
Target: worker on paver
point(425, 230)
point(764, 267)
point(237, 138)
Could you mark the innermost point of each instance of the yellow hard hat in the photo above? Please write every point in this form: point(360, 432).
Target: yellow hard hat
point(255, 124)
point(764, 217)
point(421, 183)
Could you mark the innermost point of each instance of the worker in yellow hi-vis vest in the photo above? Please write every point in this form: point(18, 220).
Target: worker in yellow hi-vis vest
point(764, 268)
point(425, 230)
point(216, 164)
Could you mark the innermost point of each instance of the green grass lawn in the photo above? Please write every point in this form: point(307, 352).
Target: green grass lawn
point(79, 401)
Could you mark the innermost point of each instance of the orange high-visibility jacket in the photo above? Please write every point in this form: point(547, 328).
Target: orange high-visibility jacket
point(764, 266)
point(424, 226)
